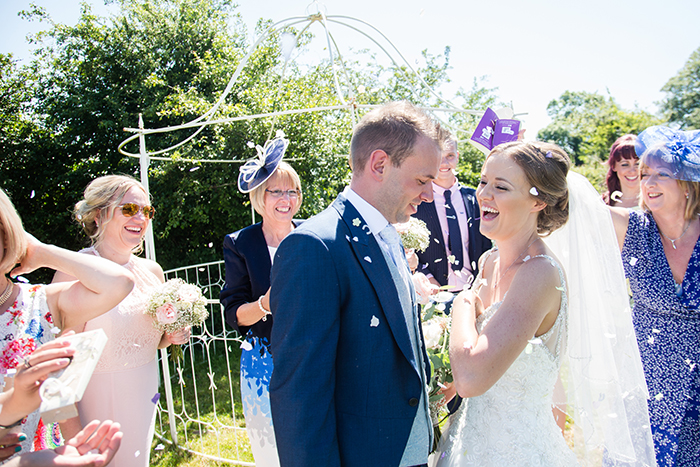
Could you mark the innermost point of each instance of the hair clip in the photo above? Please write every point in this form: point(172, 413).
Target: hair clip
point(548, 155)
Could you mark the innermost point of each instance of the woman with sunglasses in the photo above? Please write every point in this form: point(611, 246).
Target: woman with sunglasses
point(115, 213)
point(275, 193)
point(34, 314)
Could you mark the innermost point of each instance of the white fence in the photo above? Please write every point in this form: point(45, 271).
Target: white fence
point(200, 410)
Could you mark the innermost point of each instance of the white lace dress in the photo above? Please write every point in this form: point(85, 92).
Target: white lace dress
point(124, 386)
point(512, 423)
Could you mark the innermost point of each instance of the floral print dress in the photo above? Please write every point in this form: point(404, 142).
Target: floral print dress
point(666, 318)
point(26, 325)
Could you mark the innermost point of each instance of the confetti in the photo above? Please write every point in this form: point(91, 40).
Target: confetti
point(633, 261)
point(356, 222)
point(656, 331)
point(437, 241)
point(374, 322)
point(659, 396)
point(355, 239)
point(211, 245)
point(473, 265)
point(526, 259)
point(160, 447)
point(548, 155)
point(535, 341)
point(250, 144)
point(155, 398)
point(368, 259)
point(347, 237)
point(451, 259)
point(195, 168)
point(137, 453)
point(528, 348)
point(437, 260)
point(245, 345)
point(55, 330)
point(561, 289)
point(534, 192)
point(650, 340)
point(32, 194)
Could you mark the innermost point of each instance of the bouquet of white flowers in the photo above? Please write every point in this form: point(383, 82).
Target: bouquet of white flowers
point(414, 234)
point(436, 331)
point(176, 305)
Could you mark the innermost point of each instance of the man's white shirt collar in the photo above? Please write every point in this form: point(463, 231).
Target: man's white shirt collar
point(374, 219)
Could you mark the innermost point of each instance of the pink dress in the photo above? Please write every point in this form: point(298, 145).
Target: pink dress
point(124, 386)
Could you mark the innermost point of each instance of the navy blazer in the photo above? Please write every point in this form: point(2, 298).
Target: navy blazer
point(346, 385)
point(248, 265)
point(478, 244)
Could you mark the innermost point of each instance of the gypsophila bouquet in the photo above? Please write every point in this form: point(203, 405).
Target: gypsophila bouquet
point(176, 305)
point(414, 234)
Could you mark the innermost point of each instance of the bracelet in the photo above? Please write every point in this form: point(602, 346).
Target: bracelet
point(17, 423)
point(262, 308)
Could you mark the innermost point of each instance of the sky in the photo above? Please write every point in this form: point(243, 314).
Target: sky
point(531, 51)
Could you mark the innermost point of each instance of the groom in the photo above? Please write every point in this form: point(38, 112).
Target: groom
point(349, 384)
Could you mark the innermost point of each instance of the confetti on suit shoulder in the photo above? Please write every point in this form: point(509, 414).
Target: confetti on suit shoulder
point(437, 260)
point(374, 322)
point(347, 237)
point(355, 239)
point(356, 222)
point(368, 259)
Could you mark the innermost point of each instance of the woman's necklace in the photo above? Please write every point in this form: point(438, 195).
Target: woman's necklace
point(495, 284)
point(8, 291)
point(673, 242)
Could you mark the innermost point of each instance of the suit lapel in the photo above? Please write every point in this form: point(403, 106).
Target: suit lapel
point(371, 259)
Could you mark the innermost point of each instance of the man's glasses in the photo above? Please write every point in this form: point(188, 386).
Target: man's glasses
point(131, 209)
point(293, 194)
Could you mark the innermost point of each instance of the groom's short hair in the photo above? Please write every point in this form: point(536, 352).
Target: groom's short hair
point(393, 128)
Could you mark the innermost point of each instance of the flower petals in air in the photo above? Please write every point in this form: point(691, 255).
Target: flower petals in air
point(534, 192)
point(356, 222)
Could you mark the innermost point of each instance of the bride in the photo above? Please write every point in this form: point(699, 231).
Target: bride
point(510, 332)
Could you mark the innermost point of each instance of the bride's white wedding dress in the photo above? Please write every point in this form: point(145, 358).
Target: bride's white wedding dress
point(512, 423)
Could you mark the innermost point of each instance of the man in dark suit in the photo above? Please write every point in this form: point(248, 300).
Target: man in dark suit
point(349, 384)
point(453, 219)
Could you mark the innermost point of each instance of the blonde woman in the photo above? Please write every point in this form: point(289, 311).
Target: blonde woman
point(31, 315)
point(115, 213)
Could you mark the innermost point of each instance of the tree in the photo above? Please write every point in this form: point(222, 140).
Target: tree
point(681, 105)
point(586, 124)
point(169, 60)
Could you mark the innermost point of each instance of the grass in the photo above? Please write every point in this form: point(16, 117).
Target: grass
point(219, 429)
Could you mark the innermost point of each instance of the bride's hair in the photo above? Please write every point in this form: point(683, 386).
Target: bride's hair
point(546, 166)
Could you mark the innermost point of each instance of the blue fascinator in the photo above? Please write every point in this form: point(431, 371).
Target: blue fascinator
point(254, 172)
point(676, 149)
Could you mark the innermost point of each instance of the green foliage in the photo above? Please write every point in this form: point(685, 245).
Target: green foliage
point(169, 62)
point(681, 104)
point(586, 124)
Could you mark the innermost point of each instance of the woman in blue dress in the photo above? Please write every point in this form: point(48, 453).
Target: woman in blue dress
point(661, 257)
point(275, 193)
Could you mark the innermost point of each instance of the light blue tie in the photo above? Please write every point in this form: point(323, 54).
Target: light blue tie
point(391, 238)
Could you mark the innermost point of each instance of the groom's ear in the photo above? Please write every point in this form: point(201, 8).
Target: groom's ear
point(377, 164)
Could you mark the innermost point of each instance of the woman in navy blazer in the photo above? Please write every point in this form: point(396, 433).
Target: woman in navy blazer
point(248, 257)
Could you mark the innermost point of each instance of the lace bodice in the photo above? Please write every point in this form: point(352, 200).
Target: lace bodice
point(133, 339)
point(512, 423)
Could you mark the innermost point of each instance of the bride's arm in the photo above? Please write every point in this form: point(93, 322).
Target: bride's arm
point(479, 360)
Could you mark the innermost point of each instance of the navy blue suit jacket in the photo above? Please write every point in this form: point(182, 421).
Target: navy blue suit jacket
point(478, 244)
point(346, 385)
point(247, 262)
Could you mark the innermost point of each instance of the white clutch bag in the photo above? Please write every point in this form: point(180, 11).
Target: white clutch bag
point(63, 388)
